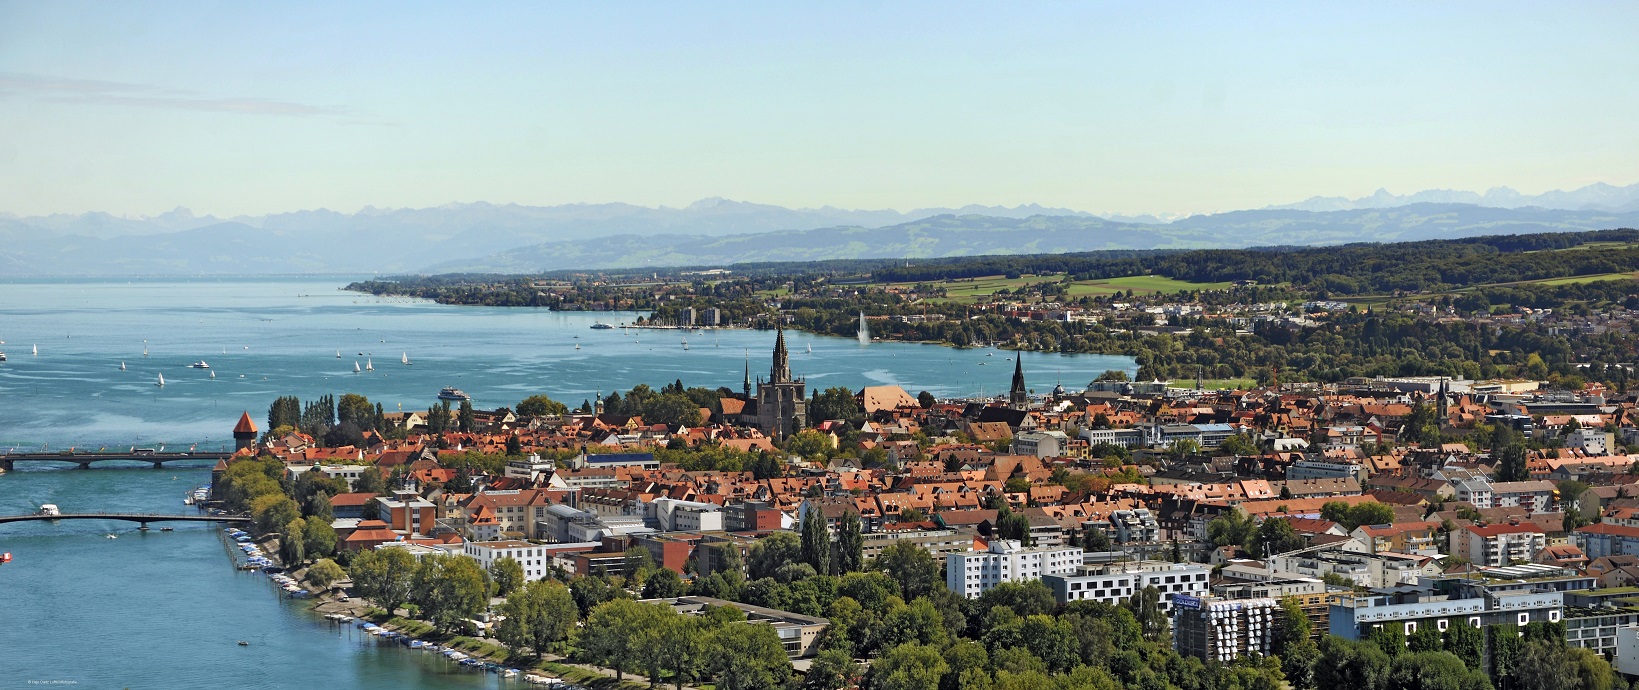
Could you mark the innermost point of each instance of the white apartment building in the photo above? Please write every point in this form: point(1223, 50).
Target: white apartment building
point(1113, 583)
point(533, 557)
point(971, 573)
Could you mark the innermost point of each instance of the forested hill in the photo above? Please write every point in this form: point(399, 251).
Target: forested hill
point(1343, 270)
point(1353, 269)
point(971, 235)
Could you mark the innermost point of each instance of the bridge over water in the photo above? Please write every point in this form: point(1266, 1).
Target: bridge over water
point(141, 518)
point(8, 461)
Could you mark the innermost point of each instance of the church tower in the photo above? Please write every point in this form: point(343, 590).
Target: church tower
point(1018, 397)
point(782, 401)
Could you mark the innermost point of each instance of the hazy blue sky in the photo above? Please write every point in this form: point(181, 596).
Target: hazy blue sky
point(254, 107)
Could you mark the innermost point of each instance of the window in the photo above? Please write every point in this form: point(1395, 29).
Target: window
point(1524, 618)
point(1442, 624)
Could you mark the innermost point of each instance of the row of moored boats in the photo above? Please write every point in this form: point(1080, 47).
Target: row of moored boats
point(449, 653)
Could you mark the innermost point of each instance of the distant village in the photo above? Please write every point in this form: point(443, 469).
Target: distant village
point(1351, 498)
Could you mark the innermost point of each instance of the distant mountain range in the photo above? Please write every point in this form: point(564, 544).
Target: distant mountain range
point(512, 238)
point(1594, 197)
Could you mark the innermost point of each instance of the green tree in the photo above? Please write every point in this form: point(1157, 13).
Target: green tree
point(466, 420)
point(507, 574)
point(1145, 605)
point(541, 405)
point(1389, 638)
point(1231, 528)
point(910, 566)
point(1467, 642)
point(1348, 664)
point(663, 584)
point(324, 572)
point(1434, 671)
point(1275, 536)
point(809, 444)
point(1511, 463)
point(816, 540)
point(370, 481)
point(292, 548)
point(831, 670)
point(318, 538)
point(450, 590)
point(908, 667)
point(680, 649)
point(615, 632)
point(849, 550)
point(833, 403)
point(537, 615)
point(771, 552)
point(748, 657)
point(1014, 526)
point(925, 400)
point(356, 409)
point(384, 576)
point(271, 512)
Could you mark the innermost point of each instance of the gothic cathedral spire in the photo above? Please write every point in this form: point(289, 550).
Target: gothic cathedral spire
point(781, 371)
point(1017, 395)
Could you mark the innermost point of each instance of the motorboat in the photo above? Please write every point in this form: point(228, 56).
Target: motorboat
point(200, 365)
point(453, 393)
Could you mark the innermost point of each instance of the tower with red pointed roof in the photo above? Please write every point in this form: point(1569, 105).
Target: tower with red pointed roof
point(244, 433)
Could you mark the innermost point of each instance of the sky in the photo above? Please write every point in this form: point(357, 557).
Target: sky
point(251, 108)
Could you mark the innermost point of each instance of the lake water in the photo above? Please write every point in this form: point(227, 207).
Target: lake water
point(166, 609)
point(269, 337)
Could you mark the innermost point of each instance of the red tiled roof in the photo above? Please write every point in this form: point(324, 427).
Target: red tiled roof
point(245, 425)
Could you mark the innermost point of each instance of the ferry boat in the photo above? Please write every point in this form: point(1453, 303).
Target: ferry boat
point(2, 356)
point(601, 326)
point(200, 365)
point(453, 393)
point(50, 509)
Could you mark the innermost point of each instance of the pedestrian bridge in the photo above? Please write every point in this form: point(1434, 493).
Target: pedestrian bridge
point(141, 518)
point(8, 461)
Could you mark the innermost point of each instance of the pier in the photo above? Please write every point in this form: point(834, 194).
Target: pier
point(141, 518)
point(84, 460)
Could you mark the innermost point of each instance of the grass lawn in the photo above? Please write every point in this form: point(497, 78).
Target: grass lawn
point(1597, 277)
point(1139, 284)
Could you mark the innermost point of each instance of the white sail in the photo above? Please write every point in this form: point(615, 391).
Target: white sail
point(161, 380)
point(213, 374)
point(36, 350)
point(405, 358)
point(122, 366)
point(368, 366)
point(355, 367)
point(338, 354)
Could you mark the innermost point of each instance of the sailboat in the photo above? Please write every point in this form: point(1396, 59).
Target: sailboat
point(122, 366)
point(685, 343)
point(368, 366)
point(36, 350)
point(355, 367)
point(810, 348)
point(338, 354)
point(577, 346)
point(161, 383)
point(213, 374)
point(405, 358)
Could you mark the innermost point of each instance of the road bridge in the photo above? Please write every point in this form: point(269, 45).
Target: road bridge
point(141, 518)
point(84, 460)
